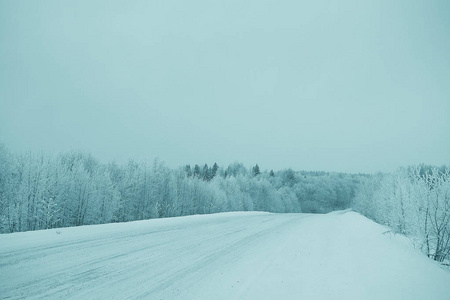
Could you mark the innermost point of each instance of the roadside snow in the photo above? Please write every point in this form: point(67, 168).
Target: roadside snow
point(248, 255)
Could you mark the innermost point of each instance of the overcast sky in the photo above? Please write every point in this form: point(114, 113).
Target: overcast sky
point(359, 86)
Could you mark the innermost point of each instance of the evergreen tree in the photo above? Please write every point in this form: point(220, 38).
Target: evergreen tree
point(214, 170)
point(206, 173)
point(196, 171)
point(188, 170)
point(256, 170)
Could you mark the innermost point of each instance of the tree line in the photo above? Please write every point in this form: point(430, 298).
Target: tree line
point(41, 191)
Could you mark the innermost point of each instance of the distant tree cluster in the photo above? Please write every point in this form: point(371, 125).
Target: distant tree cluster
point(38, 191)
point(413, 201)
point(206, 174)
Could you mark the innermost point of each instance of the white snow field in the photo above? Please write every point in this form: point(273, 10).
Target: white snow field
point(248, 255)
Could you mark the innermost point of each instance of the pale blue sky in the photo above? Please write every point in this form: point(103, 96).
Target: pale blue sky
point(353, 86)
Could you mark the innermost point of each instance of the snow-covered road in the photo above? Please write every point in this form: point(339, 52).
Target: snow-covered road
point(251, 255)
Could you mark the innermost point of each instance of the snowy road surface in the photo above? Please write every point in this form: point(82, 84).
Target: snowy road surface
point(341, 255)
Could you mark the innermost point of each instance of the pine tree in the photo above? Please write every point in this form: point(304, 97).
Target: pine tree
point(188, 170)
point(206, 173)
point(197, 171)
point(214, 170)
point(256, 170)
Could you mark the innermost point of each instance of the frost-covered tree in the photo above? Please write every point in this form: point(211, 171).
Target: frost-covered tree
point(163, 187)
point(214, 170)
point(206, 173)
point(188, 171)
point(38, 191)
point(236, 169)
point(414, 202)
point(197, 171)
point(256, 170)
point(8, 191)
